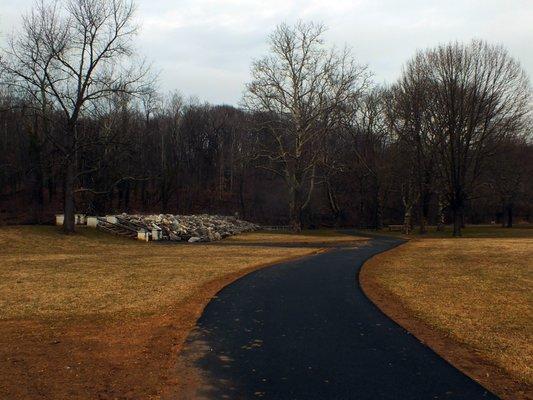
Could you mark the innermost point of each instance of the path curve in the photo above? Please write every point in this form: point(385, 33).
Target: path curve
point(305, 330)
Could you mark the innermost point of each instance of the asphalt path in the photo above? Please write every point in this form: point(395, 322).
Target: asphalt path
point(305, 330)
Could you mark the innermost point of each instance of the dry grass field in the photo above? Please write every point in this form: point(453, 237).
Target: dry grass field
point(470, 231)
point(470, 299)
point(97, 316)
point(311, 238)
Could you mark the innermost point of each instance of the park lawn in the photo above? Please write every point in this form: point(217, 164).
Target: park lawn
point(97, 316)
point(470, 299)
point(470, 231)
point(308, 237)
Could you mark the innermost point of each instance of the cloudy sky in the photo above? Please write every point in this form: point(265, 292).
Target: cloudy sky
point(204, 47)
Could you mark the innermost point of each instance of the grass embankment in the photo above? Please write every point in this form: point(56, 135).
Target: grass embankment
point(96, 316)
point(470, 299)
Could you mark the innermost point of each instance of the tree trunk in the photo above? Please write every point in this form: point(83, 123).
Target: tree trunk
point(379, 213)
point(165, 195)
point(143, 195)
point(376, 210)
point(295, 211)
point(51, 188)
point(241, 197)
point(457, 222)
point(295, 220)
point(70, 177)
point(127, 195)
point(509, 216)
point(178, 200)
point(458, 207)
point(423, 224)
point(440, 215)
point(68, 200)
point(424, 212)
point(37, 197)
point(407, 221)
point(333, 204)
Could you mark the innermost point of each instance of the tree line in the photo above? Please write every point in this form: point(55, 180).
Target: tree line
point(314, 141)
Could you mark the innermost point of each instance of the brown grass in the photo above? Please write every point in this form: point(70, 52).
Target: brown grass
point(470, 231)
point(310, 237)
point(469, 299)
point(96, 316)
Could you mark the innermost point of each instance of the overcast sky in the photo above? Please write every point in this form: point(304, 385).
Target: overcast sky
point(205, 47)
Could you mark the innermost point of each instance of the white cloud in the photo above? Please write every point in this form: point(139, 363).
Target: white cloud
point(204, 47)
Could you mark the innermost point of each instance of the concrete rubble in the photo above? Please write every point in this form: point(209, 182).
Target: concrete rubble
point(191, 228)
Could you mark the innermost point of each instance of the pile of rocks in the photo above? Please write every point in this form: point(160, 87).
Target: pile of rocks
point(192, 228)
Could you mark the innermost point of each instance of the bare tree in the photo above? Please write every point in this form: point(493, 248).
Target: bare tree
point(408, 116)
point(300, 86)
point(507, 176)
point(473, 96)
point(70, 55)
point(370, 136)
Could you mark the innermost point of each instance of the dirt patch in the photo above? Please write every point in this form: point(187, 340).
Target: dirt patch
point(467, 357)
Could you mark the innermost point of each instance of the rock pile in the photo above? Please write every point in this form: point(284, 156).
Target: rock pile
point(192, 228)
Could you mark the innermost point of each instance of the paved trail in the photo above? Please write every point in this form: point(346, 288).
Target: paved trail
point(305, 330)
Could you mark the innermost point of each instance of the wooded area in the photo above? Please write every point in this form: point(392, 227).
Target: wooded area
point(315, 141)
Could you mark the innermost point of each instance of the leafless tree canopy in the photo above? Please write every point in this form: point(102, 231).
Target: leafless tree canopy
point(456, 104)
point(303, 87)
point(69, 56)
point(83, 128)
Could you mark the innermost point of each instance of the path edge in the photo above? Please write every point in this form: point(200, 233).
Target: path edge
point(173, 387)
point(459, 355)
